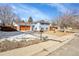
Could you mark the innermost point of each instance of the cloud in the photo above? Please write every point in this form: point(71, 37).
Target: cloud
point(38, 14)
point(60, 7)
point(13, 6)
point(24, 11)
point(64, 10)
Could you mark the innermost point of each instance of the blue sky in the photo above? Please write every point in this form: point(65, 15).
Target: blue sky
point(39, 11)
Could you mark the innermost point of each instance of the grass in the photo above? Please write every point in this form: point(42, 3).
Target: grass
point(57, 33)
point(9, 45)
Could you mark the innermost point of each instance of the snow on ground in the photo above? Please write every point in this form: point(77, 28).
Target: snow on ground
point(23, 36)
point(16, 36)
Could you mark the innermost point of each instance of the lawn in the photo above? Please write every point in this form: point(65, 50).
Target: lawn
point(57, 33)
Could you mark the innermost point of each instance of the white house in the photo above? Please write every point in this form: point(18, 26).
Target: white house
point(37, 27)
point(41, 25)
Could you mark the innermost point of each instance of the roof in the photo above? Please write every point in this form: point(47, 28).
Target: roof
point(27, 23)
point(22, 23)
point(42, 22)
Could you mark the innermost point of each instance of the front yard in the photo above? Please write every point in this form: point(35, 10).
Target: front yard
point(10, 45)
point(14, 40)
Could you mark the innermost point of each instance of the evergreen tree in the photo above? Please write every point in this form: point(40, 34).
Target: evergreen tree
point(30, 20)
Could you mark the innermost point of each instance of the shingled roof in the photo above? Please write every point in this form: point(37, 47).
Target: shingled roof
point(42, 22)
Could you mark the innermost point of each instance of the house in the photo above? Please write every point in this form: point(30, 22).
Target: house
point(35, 26)
point(53, 27)
point(22, 26)
point(42, 24)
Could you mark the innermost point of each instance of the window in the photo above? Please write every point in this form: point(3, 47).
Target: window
point(35, 28)
point(42, 28)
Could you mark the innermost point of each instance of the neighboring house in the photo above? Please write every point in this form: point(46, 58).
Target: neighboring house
point(44, 25)
point(53, 27)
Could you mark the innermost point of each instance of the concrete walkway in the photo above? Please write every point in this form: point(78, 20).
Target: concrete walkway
point(69, 49)
point(40, 49)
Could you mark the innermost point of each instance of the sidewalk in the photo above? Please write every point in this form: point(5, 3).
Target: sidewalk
point(39, 49)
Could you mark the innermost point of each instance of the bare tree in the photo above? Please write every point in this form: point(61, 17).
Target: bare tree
point(69, 21)
point(6, 15)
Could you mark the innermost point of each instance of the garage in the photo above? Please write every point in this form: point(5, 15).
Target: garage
point(24, 28)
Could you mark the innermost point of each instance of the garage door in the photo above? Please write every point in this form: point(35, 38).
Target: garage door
point(24, 28)
point(27, 28)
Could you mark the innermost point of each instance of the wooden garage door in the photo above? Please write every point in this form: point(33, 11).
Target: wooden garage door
point(24, 28)
point(27, 28)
